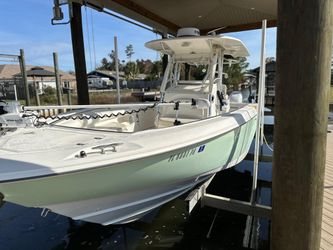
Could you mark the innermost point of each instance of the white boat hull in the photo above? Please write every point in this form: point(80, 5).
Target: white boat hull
point(123, 191)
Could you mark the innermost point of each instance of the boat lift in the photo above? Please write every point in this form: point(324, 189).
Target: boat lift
point(251, 207)
point(21, 61)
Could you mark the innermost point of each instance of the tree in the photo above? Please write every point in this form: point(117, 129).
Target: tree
point(270, 59)
point(110, 65)
point(236, 72)
point(129, 51)
point(49, 91)
point(199, 72)
point(144, 66)
point(105, 64)
point(156, 71)
point(131, 70)
point(112, 56)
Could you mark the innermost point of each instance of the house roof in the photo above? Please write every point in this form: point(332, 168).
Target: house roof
point(169, 16)
point(270, 67)
point(106, 73)
point(39, 71)
point(9, 71)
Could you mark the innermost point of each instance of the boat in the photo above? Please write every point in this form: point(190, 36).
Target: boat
point(114, 164)
point(12, 116)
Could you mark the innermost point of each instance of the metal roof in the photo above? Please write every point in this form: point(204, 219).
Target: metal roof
point(10, 71)
point(169, 15)
point(39, 71)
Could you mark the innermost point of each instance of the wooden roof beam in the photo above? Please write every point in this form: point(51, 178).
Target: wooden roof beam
point(241, 27)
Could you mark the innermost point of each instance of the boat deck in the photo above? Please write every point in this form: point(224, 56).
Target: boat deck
point(327, 218)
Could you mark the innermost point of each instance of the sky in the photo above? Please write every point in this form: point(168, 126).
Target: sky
point(27, 25)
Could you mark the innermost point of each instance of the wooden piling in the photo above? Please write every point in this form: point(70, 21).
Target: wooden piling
point(78, 53)
point(37, 100)
point(24, 77)
point(304, 42)
point(117, 68)
point(57, 78)
point(69, 98)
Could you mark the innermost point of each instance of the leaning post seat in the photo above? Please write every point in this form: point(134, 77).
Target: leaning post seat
point(183, 93)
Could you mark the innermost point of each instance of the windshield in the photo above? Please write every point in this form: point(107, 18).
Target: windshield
point(190, 72)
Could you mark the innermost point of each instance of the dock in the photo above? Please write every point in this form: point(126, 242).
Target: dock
point(147, 96)
point(327, 217)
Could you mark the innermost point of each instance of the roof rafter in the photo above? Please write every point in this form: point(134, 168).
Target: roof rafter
point(241, 27)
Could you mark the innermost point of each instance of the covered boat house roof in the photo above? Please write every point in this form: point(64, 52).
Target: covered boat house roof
point(169, 16)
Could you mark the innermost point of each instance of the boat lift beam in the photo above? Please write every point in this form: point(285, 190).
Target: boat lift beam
point(236, 206)
point(21, 60)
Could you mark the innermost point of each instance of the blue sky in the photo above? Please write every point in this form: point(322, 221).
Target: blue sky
point(27, 24)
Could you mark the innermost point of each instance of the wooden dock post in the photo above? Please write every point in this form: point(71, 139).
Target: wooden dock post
point(117, 68)
point(24, 77)
point(57, 78)
point(304, 42)
point(78, 53)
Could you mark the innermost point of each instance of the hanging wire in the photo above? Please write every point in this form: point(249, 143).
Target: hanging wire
point(158, 55)
point(93, 37)
point(89, 49)
point(129, 21)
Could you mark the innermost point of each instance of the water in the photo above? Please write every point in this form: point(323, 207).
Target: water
point(167, 227)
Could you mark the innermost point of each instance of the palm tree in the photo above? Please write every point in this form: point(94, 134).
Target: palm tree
point(236, 72)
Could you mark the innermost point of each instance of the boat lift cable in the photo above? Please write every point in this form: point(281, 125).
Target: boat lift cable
point(131, 22)
point(88, 36)
point(93, 38)
point(268, 146)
